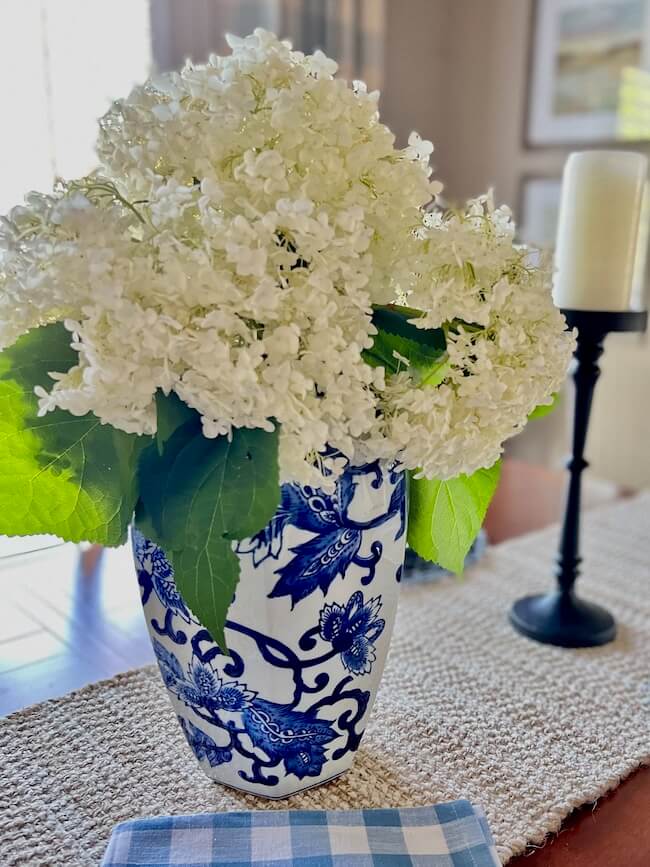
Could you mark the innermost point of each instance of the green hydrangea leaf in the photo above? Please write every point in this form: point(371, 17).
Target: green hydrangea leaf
point(399, 345)
point(153, 477)
point(436, 374)
point(545, 409)
point(207, 577)
point(171, 413)
point(445, 517)
point(199, 496)
point(395, 353)
point(234, 485)
point(61, 474)
point(394, 319)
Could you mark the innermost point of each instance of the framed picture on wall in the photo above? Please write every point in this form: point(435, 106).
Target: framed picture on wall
point(580, 50)
point(539, 206)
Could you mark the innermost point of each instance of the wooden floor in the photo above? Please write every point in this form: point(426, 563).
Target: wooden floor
point(69, 618)
point(61, 629)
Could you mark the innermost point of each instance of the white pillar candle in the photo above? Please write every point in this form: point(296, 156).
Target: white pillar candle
point(598, 228)
point(638, 298)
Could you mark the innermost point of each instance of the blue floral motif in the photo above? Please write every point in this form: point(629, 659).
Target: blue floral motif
point(306, 508)
point(353, 630)
point(202, 687)
point(152, 561)
point(170, 668)
point(203, 745)
point(141, 547)
point(268, 542)
point(337, 538)
point(162, 578)
point(317, 563)
point(204, 679)
point(284, 734)
point(297, 738)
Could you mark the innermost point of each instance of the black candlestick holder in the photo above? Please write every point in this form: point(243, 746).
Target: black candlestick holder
point(561, 617)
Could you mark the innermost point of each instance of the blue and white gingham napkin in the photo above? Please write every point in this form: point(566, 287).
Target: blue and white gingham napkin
point(447, 835)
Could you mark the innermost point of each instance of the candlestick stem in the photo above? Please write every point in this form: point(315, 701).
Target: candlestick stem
point(561, 617)
point(585, 376)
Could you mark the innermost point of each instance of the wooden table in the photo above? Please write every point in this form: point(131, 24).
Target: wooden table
point(615, 832)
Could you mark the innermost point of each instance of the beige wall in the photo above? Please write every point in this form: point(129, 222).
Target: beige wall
point(456, 70)
point(413, 93)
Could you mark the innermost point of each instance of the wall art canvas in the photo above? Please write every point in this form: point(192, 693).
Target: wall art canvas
point(580, 52)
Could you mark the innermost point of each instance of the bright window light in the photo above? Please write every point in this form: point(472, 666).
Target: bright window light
point(61, 64)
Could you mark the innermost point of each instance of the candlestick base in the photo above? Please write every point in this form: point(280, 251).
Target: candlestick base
point(563, 619)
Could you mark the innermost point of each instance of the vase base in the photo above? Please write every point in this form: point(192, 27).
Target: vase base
point(283, 797)
point(563, 620)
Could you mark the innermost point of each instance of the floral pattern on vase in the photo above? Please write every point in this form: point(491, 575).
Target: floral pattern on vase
point(353, 630)
point(307, 637)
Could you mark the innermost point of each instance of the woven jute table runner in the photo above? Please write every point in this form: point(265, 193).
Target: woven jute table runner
point(467, 709)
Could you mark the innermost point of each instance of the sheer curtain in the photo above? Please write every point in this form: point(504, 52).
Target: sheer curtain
point(350, 31)
point(61, 64)
point(194, 29)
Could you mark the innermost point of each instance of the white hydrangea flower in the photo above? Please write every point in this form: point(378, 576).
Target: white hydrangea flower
point(246, 216)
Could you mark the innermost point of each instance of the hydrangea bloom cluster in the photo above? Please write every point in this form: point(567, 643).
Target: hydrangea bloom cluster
point(245, 217)
point(506, 347)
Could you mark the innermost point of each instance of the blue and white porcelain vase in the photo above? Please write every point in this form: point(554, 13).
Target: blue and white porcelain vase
point(308, 633)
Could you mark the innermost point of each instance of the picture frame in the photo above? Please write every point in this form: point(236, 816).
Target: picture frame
point(538, 210)
point(578, 52)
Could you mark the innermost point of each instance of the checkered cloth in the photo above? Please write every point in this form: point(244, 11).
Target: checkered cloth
point(447, 835)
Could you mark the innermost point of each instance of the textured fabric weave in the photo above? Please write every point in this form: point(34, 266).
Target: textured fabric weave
point(467, 709)
point(448, 835)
